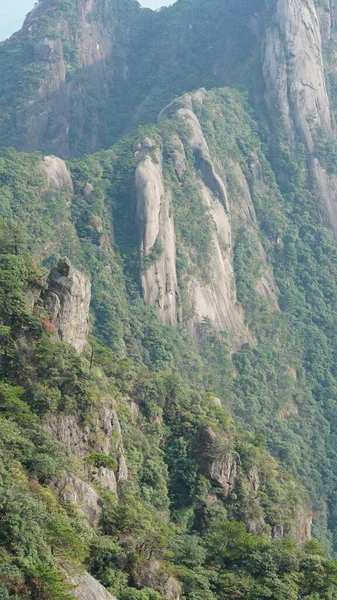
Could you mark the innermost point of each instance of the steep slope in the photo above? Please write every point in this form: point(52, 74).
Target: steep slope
point(70, 61)
point(88, 67)
point(201, 222)
point(74, 499)
point(93, 65)
point(221, 241)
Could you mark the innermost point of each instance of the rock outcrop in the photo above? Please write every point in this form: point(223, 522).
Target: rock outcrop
point(80, 440)
point(67, 301)
point(102, 435)
point(214, 299)
point(72, 489)
point(57, 173)
point(210, 298)
point(220, 466)
point(198, 143)
point(50, 120)
point(152, 574)
point(88, 588)
point(231, 479)
point(293, 68)
point(157, 235)
point(296, 90)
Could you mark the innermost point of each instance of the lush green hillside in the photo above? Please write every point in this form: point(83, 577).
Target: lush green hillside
point(169, 509)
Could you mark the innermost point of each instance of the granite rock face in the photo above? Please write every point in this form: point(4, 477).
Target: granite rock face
point(295, 83)
point(221, 467)
point(57, 173)
point(71, 488)
point(49, 119)
point(80, 439)
point(152, 574)
point(157, 235)
point(210, 298)
point(214, 299)
point(88, 588)
point(67, 301)
point(293, 68)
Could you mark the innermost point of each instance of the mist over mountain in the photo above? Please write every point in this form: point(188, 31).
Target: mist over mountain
point(168, 323)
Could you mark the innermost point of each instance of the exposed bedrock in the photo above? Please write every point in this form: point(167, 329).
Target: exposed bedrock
point(157, 235)
point(57, 173)
point(296, 86)
point(67, 301)
point(88, 588)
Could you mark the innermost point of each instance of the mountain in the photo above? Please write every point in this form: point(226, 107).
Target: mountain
point(168, 324)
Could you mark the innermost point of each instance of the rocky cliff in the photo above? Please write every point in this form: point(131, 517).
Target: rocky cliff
point(88, 588)
point(232, 478)
point(157, 235)
point(67, 301)
point(193, 438)
point(296, 87)
point(102, 55)
point(73, 53)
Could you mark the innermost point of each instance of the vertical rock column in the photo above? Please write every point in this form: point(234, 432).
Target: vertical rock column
point(157, 236)
point(67, 301)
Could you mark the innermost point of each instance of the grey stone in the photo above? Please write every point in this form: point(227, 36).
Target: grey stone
point(88, 588)
point(67, 300)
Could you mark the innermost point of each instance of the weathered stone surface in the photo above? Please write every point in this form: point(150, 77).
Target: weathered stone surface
point(219, 465)
point(80, 440)
point(299, 529)
point(105, 479)
point(223, 470)
point(295, 84)
point(57, 173)
point(253, 477)
point(49, 120)
point(293, 67)
point(88, 588)
point(198, 143)
point(152, 574)
point(214, 299)
point(278, 531)
point(72, 489)
point(303, 524)
point(67, 300)
point(157, 235)
point(88, 191)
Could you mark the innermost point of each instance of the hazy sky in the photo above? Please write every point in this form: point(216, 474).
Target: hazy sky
point(13, 12)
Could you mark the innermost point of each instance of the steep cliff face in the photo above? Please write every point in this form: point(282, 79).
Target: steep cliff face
point(206, 220)
point(209, 294)
point(296, 89)
point(67, 301)
point(231, 477)
point(293, 69)
point(157, 235)
point(214, 296)
point(72, 48)
point(57, 174)
point(80, 440)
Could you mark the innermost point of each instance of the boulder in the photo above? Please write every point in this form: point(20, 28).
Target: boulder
point(88, 588)
point(57, 173)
